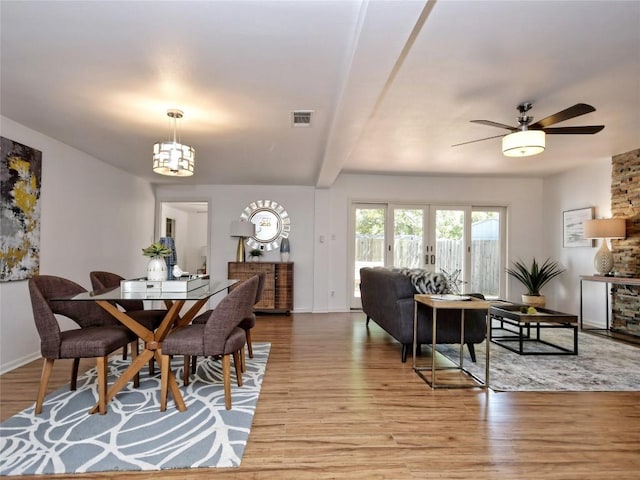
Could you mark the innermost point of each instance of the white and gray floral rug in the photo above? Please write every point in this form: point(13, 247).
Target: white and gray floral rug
point(134, 434)
point(602, 364)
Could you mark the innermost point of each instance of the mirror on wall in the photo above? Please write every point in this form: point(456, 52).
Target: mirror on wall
point(188, 224)
point(271, 222)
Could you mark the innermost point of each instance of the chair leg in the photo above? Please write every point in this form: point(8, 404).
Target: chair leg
point(124, 352)
point(194, 363)
point(243, 360)
point(164, 383)
point(152, 368)
point(101, 366)
point(187, 363)
point(134, 355)
point(47, 366)
point(249, 345)
point(237, 362)
point(74, 374)
point(226, 375)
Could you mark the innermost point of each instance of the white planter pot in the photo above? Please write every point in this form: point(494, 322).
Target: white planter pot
point(157, 269)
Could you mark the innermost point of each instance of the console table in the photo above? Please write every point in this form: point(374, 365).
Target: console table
point(456, 302)
point(607, 281)
point(278, 283)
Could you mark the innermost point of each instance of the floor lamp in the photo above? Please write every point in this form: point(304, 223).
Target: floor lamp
point(604, 228)
point(242, 230)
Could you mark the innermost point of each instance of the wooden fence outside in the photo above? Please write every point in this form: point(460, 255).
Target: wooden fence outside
point(485, 277)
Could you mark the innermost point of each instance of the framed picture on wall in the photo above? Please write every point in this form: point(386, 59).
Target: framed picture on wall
point(572, 229)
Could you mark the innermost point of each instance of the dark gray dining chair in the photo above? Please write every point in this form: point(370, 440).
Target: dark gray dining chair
point(98, 334)
point(246, 324)
point(149, 318)
point(219, 336)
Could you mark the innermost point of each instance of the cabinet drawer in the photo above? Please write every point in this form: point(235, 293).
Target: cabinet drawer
point(278, 282)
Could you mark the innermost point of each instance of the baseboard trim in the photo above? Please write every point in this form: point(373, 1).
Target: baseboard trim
point(19, 362)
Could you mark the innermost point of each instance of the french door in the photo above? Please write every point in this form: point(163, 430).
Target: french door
point(465, 242)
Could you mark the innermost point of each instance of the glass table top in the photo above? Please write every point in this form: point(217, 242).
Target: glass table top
point(112, 294)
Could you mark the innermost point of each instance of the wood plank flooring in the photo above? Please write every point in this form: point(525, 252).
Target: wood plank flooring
point(337, 403)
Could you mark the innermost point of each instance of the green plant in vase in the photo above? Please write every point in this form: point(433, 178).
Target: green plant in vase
point(534, 277)
point(156, 250)
point(157, 267)
point(255, 254)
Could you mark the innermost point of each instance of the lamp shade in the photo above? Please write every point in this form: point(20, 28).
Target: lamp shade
point(171, 157)
point(523, 143)
point(242, 229)
point(604, 228)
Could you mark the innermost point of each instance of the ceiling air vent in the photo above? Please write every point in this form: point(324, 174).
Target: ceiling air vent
point(301, 118)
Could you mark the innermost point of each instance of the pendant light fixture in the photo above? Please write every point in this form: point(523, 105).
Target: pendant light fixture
point(173, 158)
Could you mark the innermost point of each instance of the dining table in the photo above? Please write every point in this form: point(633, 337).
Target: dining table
point(174, 302)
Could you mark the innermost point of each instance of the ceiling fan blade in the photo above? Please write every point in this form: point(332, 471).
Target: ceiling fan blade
point(479, 140)
point(587, 129)
point(571, 112)
point(495, 124)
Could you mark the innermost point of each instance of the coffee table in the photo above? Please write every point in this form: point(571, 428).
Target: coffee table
point(509, 326)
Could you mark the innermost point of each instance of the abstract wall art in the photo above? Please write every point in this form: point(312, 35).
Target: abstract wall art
point(20, 177)
point(572, 228)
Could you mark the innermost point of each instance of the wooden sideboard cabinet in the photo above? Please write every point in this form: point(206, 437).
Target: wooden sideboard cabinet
point(278, 285)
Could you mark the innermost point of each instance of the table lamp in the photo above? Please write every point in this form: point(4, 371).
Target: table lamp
point(604, 228)
point(242, 230)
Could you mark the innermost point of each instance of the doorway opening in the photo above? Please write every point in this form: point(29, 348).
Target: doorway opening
point(188, 224)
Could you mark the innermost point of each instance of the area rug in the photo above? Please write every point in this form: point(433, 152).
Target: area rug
point(602, 364)
point(134, 434)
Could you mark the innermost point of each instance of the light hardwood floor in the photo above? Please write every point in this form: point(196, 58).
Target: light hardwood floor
point(337, 403)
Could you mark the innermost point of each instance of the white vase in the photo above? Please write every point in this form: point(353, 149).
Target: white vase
point(157, 269)
point(284, 256)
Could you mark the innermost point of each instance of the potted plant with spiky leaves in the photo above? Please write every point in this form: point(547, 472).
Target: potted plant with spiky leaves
point(534, 277)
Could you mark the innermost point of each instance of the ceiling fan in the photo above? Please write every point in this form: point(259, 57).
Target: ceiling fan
point(529, 138)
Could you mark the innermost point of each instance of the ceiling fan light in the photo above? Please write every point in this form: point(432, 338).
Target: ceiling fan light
point(523, 143)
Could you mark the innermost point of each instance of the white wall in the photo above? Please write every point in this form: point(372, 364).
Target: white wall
point(321, 267)
point(522, 197)
point(93, 217)
point(226, 204)
point(580, 188)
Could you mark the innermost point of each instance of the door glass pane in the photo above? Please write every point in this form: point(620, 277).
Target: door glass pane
point(408, 237)
point(449, 234)
point(369, 238)
point(485, 253)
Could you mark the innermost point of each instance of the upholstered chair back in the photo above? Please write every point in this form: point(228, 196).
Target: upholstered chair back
point(228, 314)
point(102, 280)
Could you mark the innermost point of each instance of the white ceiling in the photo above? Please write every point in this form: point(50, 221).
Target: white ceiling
point(393, 84)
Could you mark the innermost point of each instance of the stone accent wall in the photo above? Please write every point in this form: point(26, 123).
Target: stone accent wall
point(625, 203)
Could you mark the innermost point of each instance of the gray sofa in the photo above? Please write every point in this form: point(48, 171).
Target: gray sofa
point(387, 299)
